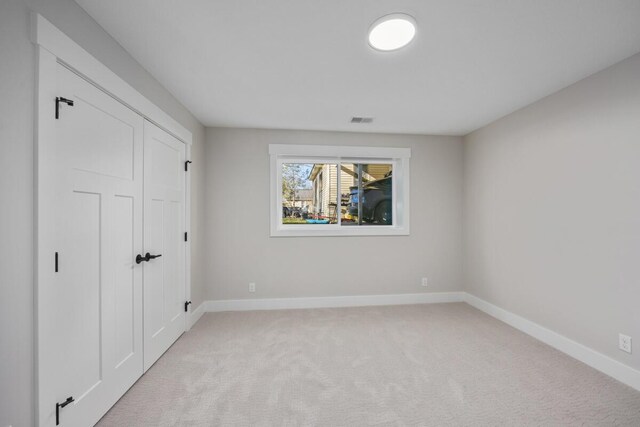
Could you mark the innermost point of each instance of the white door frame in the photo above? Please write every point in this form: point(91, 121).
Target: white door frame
point(54, 47)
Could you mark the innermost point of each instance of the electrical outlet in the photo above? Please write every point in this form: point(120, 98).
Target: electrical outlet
point(425, 282)
point(252, 287)
point(624, 342)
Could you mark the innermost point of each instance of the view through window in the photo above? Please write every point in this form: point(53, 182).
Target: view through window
point(349, 194)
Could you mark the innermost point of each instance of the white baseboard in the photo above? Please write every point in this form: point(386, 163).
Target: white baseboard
point(196, 314)
point(605, 364)
point(329, 302)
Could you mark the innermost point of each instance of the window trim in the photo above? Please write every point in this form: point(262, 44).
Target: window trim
point(286, 153)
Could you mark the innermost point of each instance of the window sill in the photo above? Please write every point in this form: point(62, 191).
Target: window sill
point(362, 230)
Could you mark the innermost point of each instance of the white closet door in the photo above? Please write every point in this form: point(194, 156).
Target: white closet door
point(164, 277)
point(90, 310)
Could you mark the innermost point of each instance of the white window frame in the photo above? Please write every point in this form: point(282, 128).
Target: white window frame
point(399, 159)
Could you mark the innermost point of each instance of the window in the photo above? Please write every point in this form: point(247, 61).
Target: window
point(336, 190)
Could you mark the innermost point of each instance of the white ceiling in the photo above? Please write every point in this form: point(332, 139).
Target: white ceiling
point(306, 64)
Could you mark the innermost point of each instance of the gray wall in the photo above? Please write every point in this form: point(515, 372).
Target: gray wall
point(552, 211)
point(17, 92)
point(240, 250)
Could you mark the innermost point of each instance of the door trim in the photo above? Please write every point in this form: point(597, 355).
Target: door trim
point(53, 47)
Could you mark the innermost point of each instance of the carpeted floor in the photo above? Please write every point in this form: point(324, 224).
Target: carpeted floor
point(418, 365)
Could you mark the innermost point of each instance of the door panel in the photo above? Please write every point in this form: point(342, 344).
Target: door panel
point(105, 143)
point(90, 312)
point(174, 247)
point(164, 278)
point(153, 273)
point(81, 334)
point(125, 285)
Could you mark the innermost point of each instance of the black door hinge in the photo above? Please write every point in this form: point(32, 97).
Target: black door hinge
point(186, 305)
point(60, 99)
point(185, 236)
point(186, 165)
point(56, 262)
point(60, 406)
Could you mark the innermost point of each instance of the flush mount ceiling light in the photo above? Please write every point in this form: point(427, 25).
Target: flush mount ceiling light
point(392, 32)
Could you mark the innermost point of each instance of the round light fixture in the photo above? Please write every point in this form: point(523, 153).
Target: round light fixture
point(392, 32)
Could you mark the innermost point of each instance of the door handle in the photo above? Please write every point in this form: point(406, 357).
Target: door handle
point(61, 406)
point(147, 257)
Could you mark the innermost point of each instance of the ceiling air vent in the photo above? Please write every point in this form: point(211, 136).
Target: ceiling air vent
point(361, 119)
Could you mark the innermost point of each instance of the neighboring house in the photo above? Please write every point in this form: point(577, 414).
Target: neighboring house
point(325, 185)
point(303, 197)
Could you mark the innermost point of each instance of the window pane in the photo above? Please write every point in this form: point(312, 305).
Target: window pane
point(367, 197)
point(309, 193)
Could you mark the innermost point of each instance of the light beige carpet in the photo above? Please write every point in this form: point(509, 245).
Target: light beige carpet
point(419, 365)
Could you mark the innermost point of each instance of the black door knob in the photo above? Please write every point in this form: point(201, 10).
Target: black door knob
point(147, 257)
